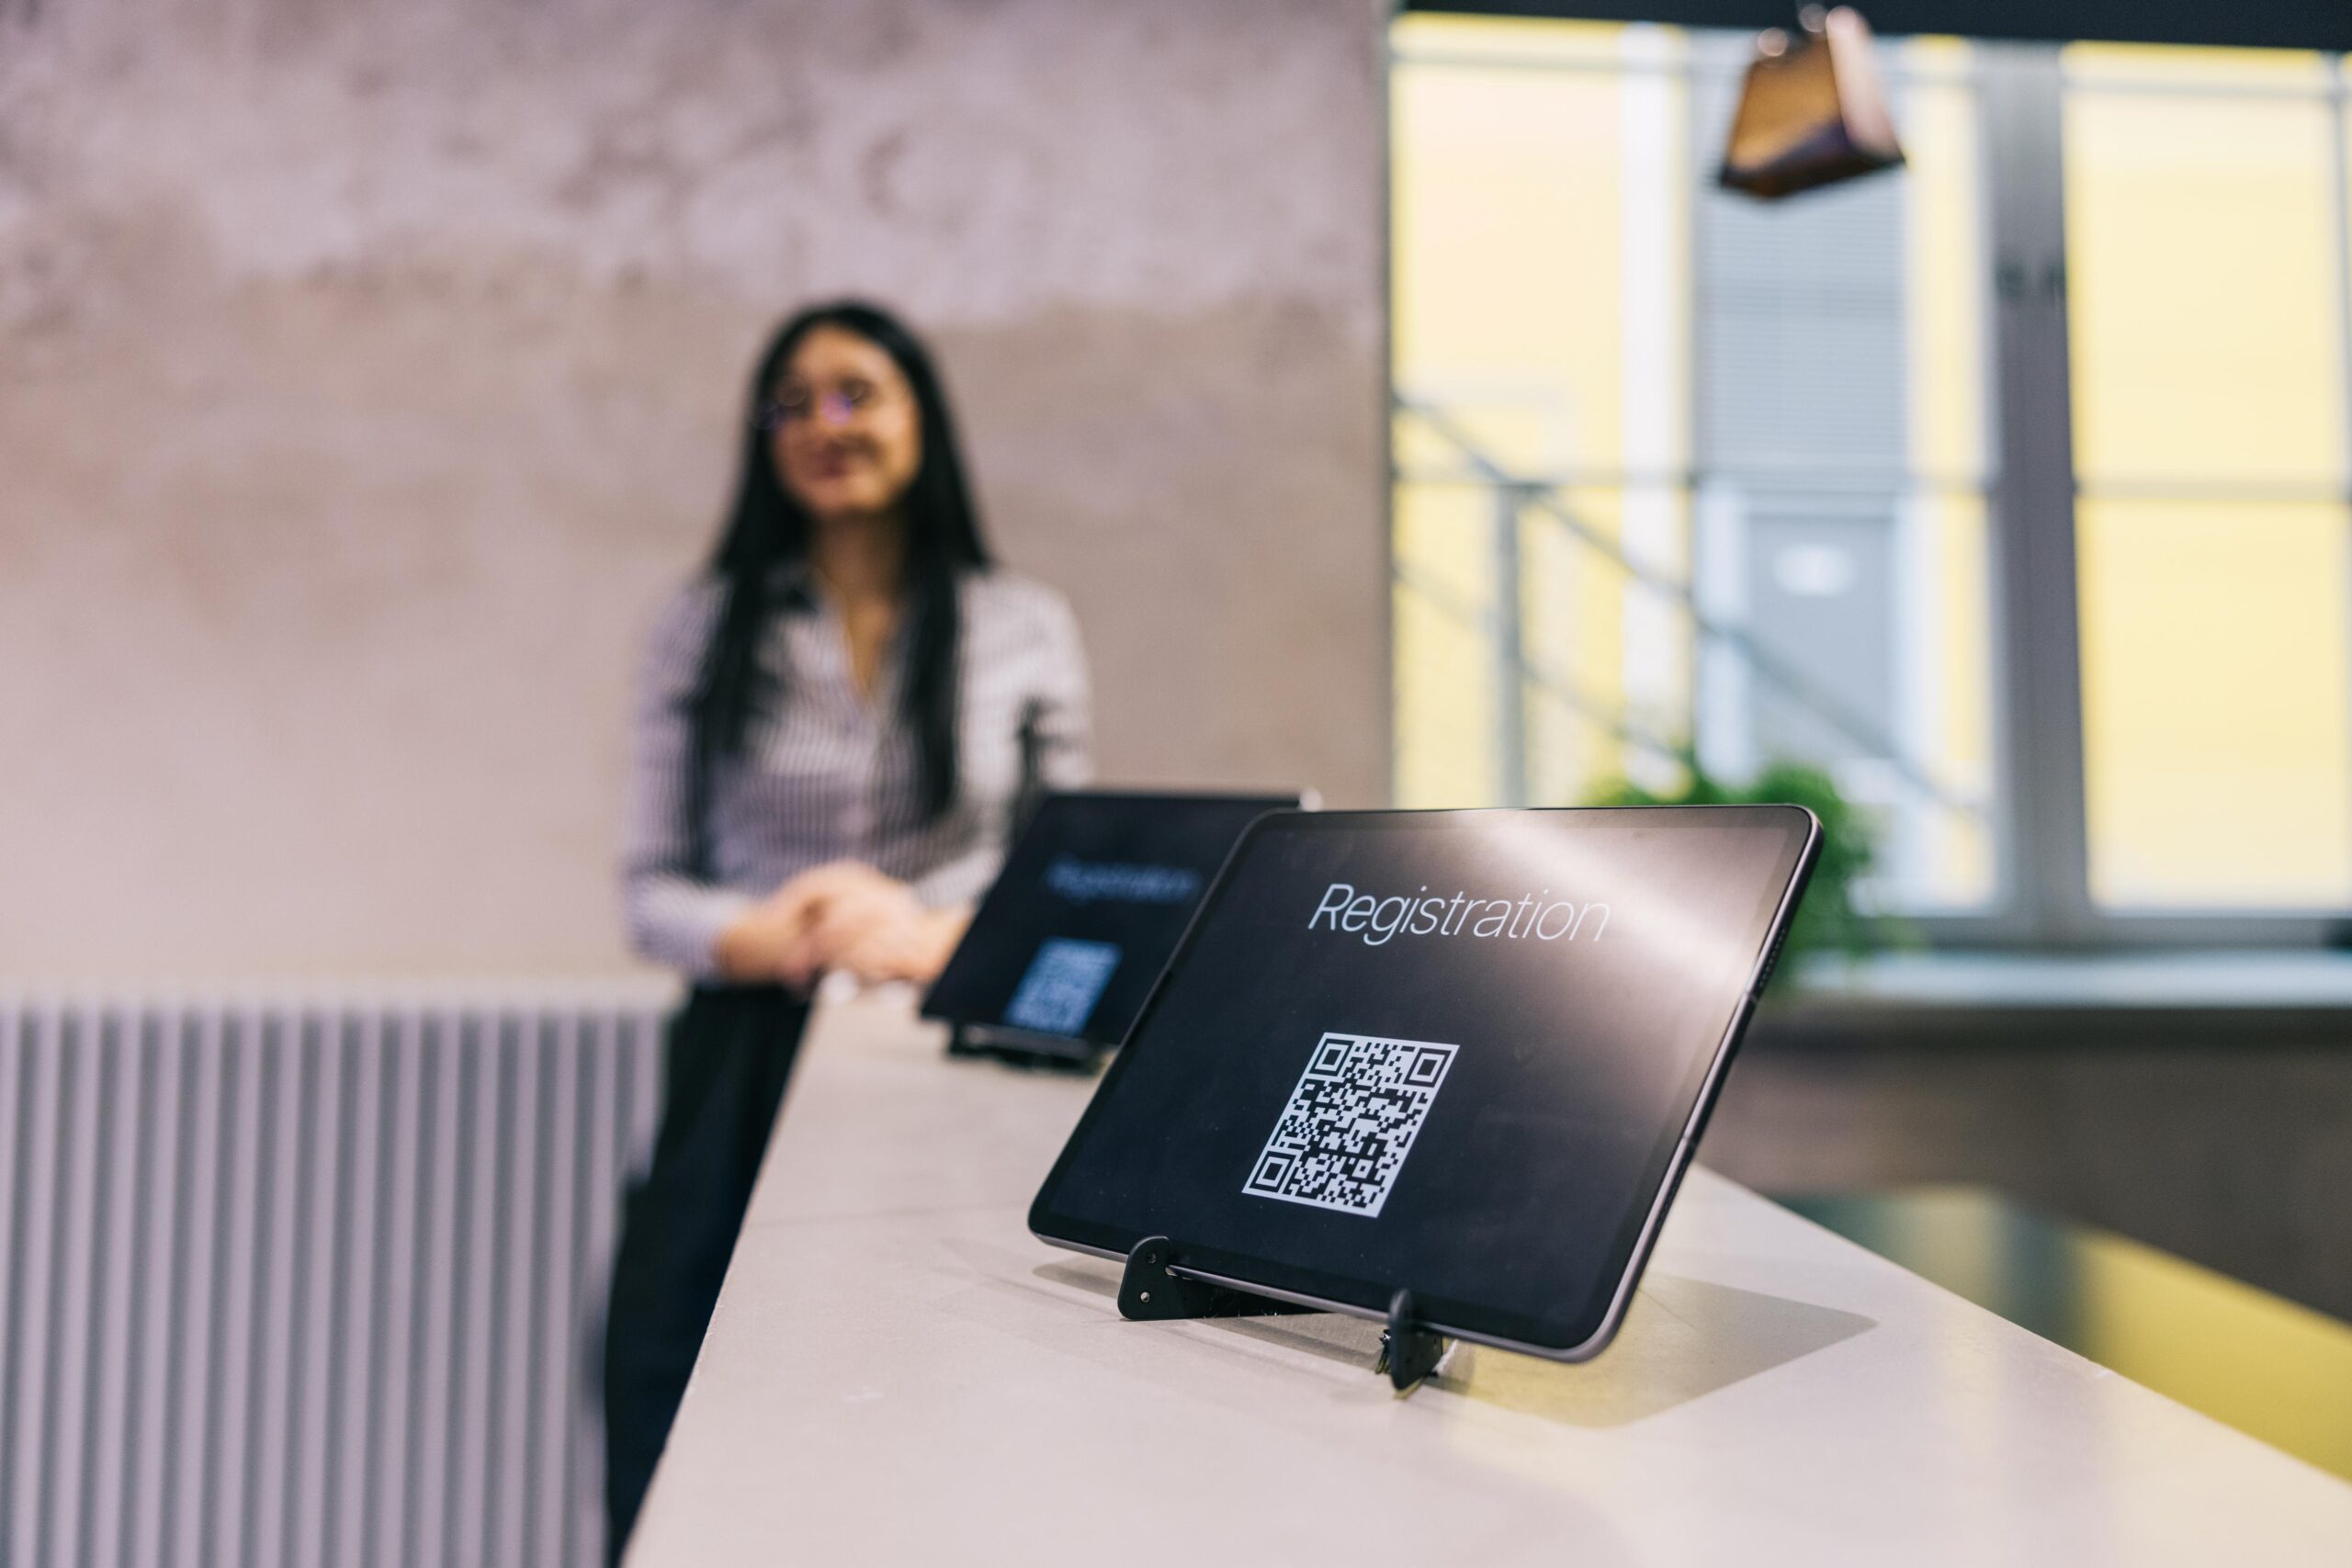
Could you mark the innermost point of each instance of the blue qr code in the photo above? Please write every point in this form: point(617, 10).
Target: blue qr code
point(1341, 1140)
point(1063, 982)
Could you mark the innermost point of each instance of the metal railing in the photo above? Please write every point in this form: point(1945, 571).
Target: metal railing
point(1515, 499)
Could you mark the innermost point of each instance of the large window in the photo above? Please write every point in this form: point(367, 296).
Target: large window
point(2205, 236)
point(2053, 577)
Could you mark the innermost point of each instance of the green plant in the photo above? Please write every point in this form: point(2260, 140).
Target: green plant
point(1827, 920)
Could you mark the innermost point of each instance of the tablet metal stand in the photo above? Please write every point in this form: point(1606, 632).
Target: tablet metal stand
point(1152, 1292)
point(1407, 1351)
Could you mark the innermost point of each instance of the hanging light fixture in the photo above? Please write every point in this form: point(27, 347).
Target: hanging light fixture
point(1812, 112)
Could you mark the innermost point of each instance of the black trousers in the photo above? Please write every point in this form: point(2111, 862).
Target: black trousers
point(727, 1057)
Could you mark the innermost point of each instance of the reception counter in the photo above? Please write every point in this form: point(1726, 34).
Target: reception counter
point(898, 1372)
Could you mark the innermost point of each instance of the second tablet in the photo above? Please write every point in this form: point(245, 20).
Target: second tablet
point(1092, 899)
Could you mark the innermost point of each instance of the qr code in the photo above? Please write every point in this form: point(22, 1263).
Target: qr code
point(1059, 988)
point(1349, 1123)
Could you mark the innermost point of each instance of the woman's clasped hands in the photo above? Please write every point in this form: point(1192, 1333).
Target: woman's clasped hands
point(843, 916)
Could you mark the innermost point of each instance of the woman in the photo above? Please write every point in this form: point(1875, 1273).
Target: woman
point(840, 720)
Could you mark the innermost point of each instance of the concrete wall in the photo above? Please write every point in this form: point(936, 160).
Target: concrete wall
point(368, 372)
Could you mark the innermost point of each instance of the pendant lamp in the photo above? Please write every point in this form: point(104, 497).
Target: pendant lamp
point(1812, 112)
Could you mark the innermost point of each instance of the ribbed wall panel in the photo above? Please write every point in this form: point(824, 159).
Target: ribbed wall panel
point(297, 1281)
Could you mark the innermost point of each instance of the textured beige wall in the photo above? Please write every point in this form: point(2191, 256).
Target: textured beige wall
point(368, 372)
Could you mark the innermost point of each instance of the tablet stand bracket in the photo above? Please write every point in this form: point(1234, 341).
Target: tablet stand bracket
point(1151, 1290)
point(1407, 1351)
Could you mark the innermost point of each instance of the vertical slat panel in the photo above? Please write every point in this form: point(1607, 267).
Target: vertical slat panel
point(400, 1330)
point(16, 1159)
point(437, 1293)
point(506, 1480)
point(591, 1267)
point(81, 1068)
point(37, 1209)
point(121, 1168)
point(285, 1073)
point(363, 1233)
point(72, 1350)
point(243, 1058)
point(117, 1534)
point(160, 1249)
point(472, 1309)
point(199, 1215)
point(558, 1374)
point(308, 1283)
point(324, 1178)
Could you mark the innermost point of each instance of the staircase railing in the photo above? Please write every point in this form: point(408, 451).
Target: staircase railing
point(1517, 496)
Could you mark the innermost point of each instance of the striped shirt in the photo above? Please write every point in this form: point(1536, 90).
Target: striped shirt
point(830, 773)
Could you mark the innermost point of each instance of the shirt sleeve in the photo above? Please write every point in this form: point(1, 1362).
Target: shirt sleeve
point(674, 914)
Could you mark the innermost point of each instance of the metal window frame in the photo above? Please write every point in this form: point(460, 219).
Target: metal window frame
point(2043, 895)
point(2039, 811)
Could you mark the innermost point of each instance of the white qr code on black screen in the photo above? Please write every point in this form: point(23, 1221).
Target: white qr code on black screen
point(1350, 1122)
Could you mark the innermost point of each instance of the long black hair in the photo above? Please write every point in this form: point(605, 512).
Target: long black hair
point(768, 528)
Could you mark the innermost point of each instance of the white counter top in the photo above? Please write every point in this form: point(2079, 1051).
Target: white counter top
point(898, 1372)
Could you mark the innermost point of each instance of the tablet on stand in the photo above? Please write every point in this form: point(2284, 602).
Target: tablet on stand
point(1092, 899)
point(1440, 1068)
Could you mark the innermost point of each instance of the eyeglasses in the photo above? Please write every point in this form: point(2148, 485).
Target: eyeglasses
point(797, 405)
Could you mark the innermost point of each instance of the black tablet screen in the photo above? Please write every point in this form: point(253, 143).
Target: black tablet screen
point(1448, 1050)
point(1089, 906)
